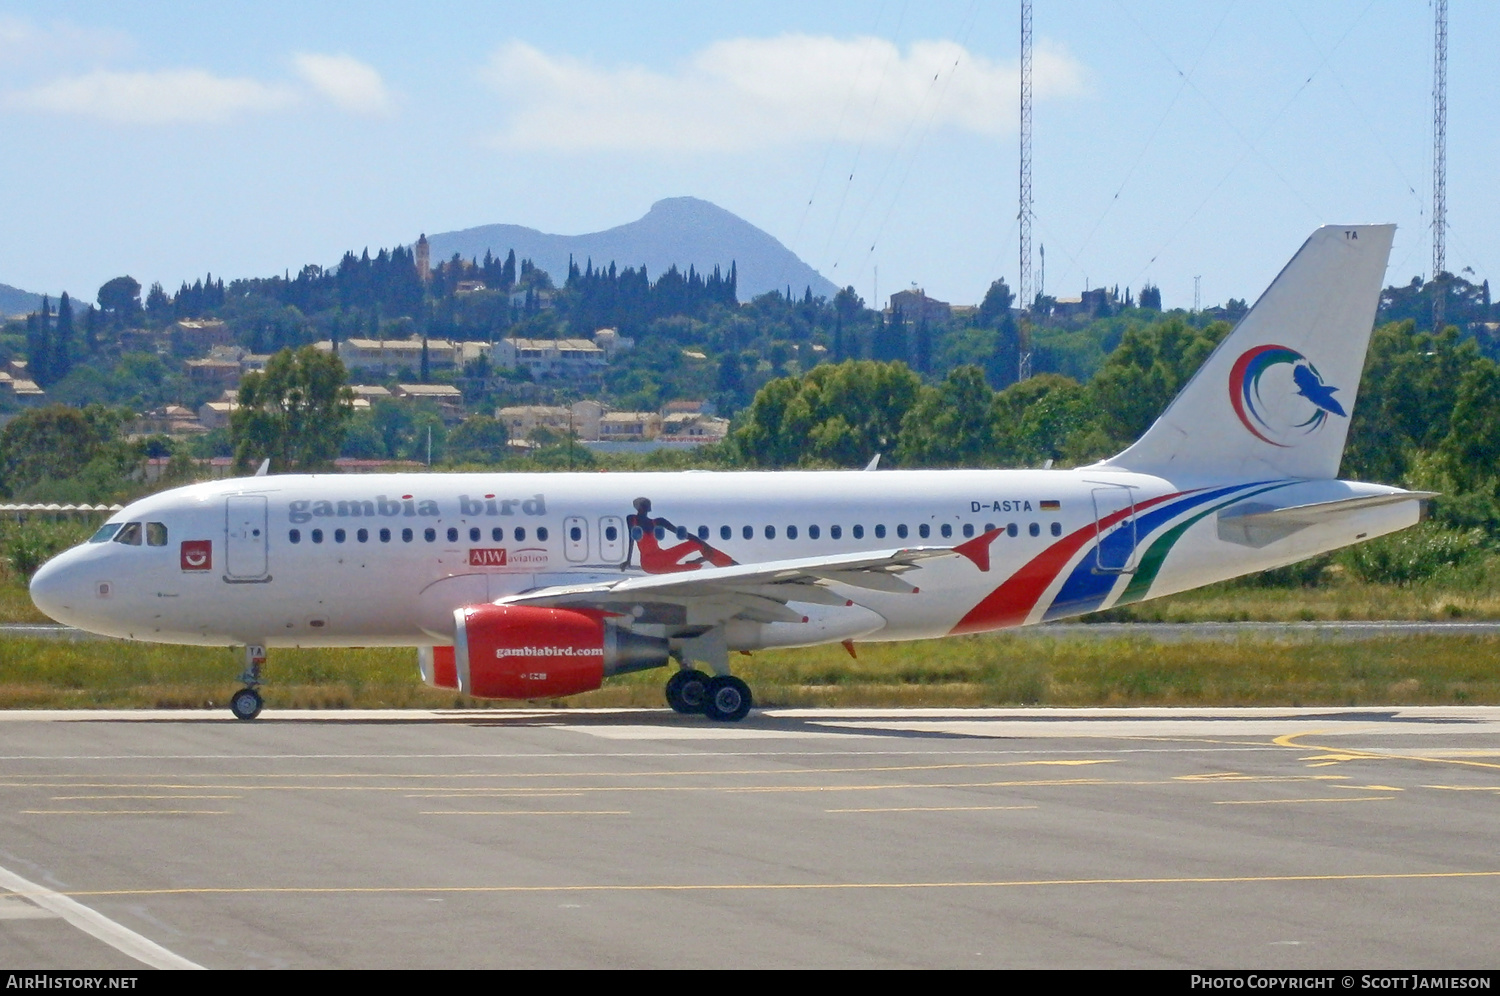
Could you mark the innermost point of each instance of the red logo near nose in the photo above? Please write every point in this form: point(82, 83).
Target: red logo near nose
point(197, 555)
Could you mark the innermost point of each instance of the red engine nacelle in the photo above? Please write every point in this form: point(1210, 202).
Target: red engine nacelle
point(527, 652)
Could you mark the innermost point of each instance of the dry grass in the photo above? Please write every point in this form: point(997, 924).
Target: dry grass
point(968, 671)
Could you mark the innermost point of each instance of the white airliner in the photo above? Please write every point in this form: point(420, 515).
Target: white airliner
point(537, 585)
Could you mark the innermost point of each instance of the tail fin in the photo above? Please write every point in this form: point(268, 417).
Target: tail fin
point(1275, 397)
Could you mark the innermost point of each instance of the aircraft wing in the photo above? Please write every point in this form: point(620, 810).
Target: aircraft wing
point(757, 592)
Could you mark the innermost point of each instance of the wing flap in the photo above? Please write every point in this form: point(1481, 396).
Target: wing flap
point(755, 592)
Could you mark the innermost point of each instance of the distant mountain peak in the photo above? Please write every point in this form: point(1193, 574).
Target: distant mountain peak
point(14, 301)
point(676, 231)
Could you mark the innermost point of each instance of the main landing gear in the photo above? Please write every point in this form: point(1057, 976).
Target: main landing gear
point(247, 703)
point(722, 697)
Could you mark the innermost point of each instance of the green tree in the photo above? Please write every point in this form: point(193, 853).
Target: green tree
point(951, 425)
point(1407, 394)
point(120, 298)
point(1471, 450)
point(62, 339)
point(1143, 375)
point(295, 413)
point(56, 443)
point(995, 308)
point(840, 414)
point(478, 439)
point(1047, 417)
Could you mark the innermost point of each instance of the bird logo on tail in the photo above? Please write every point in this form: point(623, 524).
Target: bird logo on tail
point(1264, 409)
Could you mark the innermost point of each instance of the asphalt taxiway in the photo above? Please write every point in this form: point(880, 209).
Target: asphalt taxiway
point(1193, 838)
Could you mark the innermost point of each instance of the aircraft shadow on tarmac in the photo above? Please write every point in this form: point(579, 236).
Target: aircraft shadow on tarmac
point(832, 723)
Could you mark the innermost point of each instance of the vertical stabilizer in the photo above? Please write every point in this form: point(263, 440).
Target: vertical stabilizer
point(1275, 398)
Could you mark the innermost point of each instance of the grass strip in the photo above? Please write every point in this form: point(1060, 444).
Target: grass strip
point(986, 670)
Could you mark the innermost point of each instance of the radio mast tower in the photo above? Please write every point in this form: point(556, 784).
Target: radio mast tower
point(1439, 160)
point(1023, 284)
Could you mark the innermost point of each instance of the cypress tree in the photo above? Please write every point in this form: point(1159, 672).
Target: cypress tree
point(62, 342)
point(39, 364)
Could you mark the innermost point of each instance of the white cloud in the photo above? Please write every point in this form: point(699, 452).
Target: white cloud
point(167, 96)
point(753, 92)
point(26, 43)
point(350, 84)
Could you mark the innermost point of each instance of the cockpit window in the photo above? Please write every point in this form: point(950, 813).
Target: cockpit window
point(156, 534)
point(106, 533)
point(131, 534)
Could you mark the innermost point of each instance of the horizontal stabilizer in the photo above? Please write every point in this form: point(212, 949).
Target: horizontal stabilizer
point(1258, 525)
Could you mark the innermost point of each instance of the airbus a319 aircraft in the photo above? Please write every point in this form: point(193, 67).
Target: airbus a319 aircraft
point(520, 586)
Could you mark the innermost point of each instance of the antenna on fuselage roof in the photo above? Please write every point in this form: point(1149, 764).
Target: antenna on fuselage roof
point(263, 469)
point(874, 463)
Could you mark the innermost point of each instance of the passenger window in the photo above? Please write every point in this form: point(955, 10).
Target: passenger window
point(1010, 529)
point(1034, 529)
point(406, 535)
point(968, 529)
point(317, 535)
point(636, 533)
point(901, 530)
point(106, 533)
point(156, 534)
point(130, 535)
point(474, 534)
point(363, 536)
point(611, 533)
point(791, 532)
point(339, 535)
point(989, 527)
point(541, 533)
point(385, 535)
point(497, 535)
point(924, 530)
point(703, 532)
point(770, 532)
point(295, 536)
point(859, 532)
point(725, 532)
point(947, 531)
point(748, 532)
point(1057, 529)
point(880, 532)
point(429, 534)
point(682, 532)
point(813, 532)
point(452, 534)
point(835, 532)
point(521, 534)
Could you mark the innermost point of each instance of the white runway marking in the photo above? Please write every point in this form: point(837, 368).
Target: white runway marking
point(715, 732)
point(95, 924)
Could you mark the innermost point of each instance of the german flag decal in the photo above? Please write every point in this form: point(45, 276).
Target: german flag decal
point(1051, 506)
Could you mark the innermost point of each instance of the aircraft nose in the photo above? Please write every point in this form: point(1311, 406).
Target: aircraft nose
point(58, 588)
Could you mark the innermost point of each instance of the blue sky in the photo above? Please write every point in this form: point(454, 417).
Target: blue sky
point(1172, 140)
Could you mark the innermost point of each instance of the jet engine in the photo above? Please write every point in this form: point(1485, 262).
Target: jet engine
point(528, 652)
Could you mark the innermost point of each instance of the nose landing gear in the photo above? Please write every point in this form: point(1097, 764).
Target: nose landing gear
point(246, 703)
